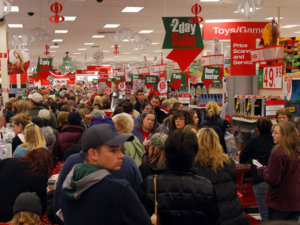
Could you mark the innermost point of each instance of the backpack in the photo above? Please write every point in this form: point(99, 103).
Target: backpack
point(75, 148)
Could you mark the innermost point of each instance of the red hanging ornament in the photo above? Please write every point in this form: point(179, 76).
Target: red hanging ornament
point(116, 52)
point(56, 8)
point(46, 52)
point(196, 9)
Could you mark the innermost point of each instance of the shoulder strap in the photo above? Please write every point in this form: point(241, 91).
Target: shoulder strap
point(155, 196)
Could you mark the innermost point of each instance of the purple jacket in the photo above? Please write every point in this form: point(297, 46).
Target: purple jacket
point(137, 131)
point(66, 139)
point(282, 174)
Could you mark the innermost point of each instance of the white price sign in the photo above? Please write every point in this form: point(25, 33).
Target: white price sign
point(270, 77)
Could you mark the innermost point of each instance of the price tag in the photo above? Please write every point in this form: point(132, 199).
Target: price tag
point(270, 77)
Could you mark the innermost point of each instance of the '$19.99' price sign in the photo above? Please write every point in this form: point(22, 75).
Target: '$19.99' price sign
point(270, 77)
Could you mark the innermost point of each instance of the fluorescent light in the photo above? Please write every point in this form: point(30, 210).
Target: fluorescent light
point(125, 40)
point(132, 9)
point(135, 49)
point(57, 40)
point(105, 51)
point(210, 0)
point(70, 18)
point(81, 49)
point(15, 25)
point(290, 26)
point(25, 49)
point(88, 43)
point(145, 54)
point(12, 8)
point(158, 50)
point(111, 25)
point(145, 31)
point(54, 46)
point(251, 9)
point(270, 18)
point(114, 46)
point(52, 51)
point(155, 43)
point(61, 31)
point(98, 36)
point(76, 53)
point(220, 21)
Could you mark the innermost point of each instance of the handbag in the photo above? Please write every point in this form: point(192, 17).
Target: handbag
point(155, 218)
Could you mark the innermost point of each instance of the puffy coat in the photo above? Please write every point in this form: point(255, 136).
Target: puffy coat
point(230, 208)
point(183, 198)
point(135, 150)
point(67, 138)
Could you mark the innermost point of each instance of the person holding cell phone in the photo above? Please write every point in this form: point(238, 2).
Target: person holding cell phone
point(282, 174)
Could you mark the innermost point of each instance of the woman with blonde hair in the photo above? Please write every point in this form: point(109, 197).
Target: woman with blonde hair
point(211, 162)
point(282, 174)
point(33, 139)
point(23, 106)
point(97, 103)
point(62, 120)
point(134, 149)
point(19, 122)
point(213, 120)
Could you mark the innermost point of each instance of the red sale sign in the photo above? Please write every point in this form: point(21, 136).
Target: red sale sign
point(224, 30)
point(241, 46)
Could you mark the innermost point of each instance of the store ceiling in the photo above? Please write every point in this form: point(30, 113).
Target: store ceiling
point(92, 16)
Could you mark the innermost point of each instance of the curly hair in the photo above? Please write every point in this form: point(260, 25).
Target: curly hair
point(180, 114)
point(25, 217)
point(125, 121)
point(62, 118)
point(212, 109)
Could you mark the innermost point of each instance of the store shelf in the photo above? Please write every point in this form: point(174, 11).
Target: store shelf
point(196, 107)
point(244, 120)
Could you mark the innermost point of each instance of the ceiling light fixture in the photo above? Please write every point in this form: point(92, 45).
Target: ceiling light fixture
point(270, 18)
point(88, 43)
point(76, 53)
point(57, 40)
point(98, 36)
point(12, 9)
point(290, 26)
point(61, 31)
point(132, 9)
point(15, 25)
point(221, 21)
point(54, 46)
point(155, 43)
point(70, 18)
point(81, 49)
point(105, 51)
point(145, 31)
point(111, 25)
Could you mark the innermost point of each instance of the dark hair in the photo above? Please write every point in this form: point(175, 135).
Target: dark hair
point(144, 104)
point(53, 106)
point(281, 222)
point(179, 114)
point(65, 108)
point(106, 103)
point(155, 96)
point(127, 107)
point(181, 149)
point(139, 91)
point(8, 105)
point(40, 121)
point(264, 125)
point(39, 162)
point(176, 105)
point(284, 111)
point(143, 116)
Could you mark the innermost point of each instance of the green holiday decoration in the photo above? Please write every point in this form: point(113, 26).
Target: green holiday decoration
point(181, 33)
point(44, 64)
point(67, 64)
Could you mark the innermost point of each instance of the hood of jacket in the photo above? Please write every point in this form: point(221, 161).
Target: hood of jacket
point(136, 144)
point(81, 178)
point(72, 128)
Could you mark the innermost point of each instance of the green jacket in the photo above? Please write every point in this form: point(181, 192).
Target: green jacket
point(34, 111)
point(135, 150)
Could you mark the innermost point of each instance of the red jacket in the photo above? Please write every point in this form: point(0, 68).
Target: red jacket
point(282, 174)
point(67, 138)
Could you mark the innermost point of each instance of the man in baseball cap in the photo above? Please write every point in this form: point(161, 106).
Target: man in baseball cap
point(90, 193)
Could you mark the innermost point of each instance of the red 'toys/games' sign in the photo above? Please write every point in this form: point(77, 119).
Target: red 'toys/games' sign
point(241, 62)
point(224, 30)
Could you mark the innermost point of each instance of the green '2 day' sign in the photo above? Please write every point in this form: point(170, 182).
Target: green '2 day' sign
point(180, 33)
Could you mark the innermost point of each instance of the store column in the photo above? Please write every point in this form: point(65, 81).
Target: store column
point(4, 71)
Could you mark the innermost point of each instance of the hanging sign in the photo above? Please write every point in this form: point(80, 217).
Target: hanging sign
point(80, 82)
point(151, 79)
point(159, 68)
point(122, 86)
point(212, 60)
point(118, 80)
point(162, 87)
point(44, 64)
point(95, 81)
point(241, 46)
point(178, 80)
point(224, 30)
point(211, 75)
point(180, 33)
point(270, 77)
point(267, 54)
point(136, 77)
point(143, 70)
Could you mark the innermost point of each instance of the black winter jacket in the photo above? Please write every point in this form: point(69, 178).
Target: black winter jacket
point(258, 148)
point(230, 208)
point(219, 125)
point(183, 198)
